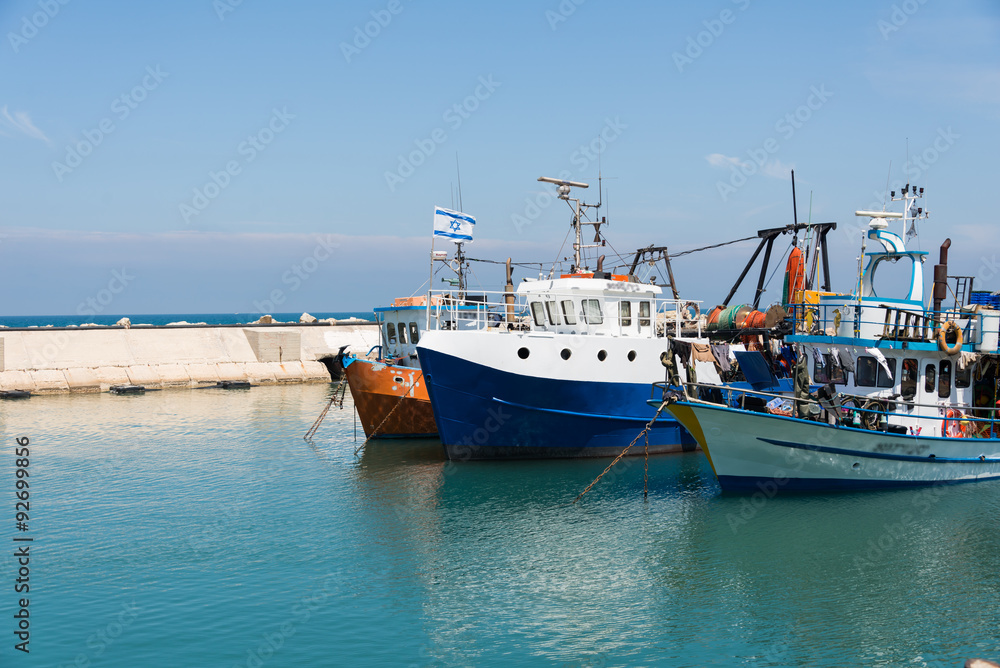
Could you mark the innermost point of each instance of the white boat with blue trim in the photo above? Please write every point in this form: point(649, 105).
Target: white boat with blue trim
point(908, 390)
point(560, 367)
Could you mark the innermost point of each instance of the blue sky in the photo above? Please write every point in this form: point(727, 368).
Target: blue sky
point(210, 149)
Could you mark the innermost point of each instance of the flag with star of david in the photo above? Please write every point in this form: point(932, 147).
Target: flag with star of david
point(453, 225)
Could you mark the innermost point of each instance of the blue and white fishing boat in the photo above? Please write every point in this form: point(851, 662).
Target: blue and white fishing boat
point(561, 366)
point(909, 389)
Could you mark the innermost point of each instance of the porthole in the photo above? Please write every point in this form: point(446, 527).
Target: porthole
point(566, 353)
point(602, 355)
point(397, 379)
point(523, 353)
point(631, 356)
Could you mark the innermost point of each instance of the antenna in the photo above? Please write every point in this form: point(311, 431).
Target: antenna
point(887, 178)
point(459, 170)
point(795, 213)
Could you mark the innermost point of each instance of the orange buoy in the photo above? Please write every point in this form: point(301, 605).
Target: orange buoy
point(795, 277)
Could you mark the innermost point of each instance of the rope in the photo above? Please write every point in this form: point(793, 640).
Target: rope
point(644, 432)
point(703, 248)
point(387, 416)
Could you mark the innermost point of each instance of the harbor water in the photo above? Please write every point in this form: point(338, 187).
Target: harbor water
point(197, 528)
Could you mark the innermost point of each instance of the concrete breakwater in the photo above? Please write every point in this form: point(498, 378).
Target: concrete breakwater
point(50, 360)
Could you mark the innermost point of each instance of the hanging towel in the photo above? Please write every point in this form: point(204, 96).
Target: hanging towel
point(877, 354)
point(965, 359)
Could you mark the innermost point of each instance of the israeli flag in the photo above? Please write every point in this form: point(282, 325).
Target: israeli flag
point(454, 225)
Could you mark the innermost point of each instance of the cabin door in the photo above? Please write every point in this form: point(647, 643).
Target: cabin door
point(985, 390)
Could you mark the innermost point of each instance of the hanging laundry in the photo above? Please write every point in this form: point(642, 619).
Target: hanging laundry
point(721, 353)
point(845, 359)
point(682, 349)
point(877, 354)
point(965, 359)
point(702, 352)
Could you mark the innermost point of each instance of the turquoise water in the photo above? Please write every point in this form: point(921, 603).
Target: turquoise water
point(197, 528)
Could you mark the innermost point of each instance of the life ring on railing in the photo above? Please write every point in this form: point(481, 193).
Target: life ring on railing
point(690, 311)
point(943, 338)
point(952, 426)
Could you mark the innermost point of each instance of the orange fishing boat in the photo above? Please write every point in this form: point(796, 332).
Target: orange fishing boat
point(388, 389)
point(388, 386)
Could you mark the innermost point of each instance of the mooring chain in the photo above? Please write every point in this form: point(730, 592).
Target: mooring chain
point(388, 415)
point(643, 433)
point(341, 391)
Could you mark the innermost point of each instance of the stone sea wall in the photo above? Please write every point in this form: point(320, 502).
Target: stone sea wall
point(46, 360)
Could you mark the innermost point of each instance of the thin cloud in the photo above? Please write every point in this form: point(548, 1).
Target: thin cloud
point(719, 160)
point(19, 122)
point(773, 168)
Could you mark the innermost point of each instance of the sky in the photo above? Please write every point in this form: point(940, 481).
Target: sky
point(206, 156)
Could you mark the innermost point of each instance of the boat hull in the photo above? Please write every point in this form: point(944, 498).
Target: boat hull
point(391, 400)
point(486, 412)
point(757, 452)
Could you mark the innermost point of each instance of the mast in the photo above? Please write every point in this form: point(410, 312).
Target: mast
point(577, 206)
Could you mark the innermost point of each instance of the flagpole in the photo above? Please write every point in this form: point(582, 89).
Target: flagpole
point(430, 279)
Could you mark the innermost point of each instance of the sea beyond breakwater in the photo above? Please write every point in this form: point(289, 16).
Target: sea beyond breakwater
point(60, 354)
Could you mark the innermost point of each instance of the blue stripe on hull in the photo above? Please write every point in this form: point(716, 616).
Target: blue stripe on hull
point(483, 413)
point(772, 486)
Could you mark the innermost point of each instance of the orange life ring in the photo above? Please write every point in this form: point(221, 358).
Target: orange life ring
point(943, 335)
point(952, 426)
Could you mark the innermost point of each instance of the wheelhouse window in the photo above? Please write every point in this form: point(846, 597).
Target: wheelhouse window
point(944, 379)
point(414, 333)
point(644, 314)
point(829, 371)
point(625, 313)
point(592, 311)
point(538, 313)
point(930, 377)
point(567, 311)
point(553, 312)
point(402, 332)
point(872, 374)
point(963, 377)
point(908, 379)
point(390, 333)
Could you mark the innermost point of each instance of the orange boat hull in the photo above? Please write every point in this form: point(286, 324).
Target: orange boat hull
point(392, 401)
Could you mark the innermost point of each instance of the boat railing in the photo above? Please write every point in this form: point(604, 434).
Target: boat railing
point(884, 321)
point(507, 311)
point(863, 411)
